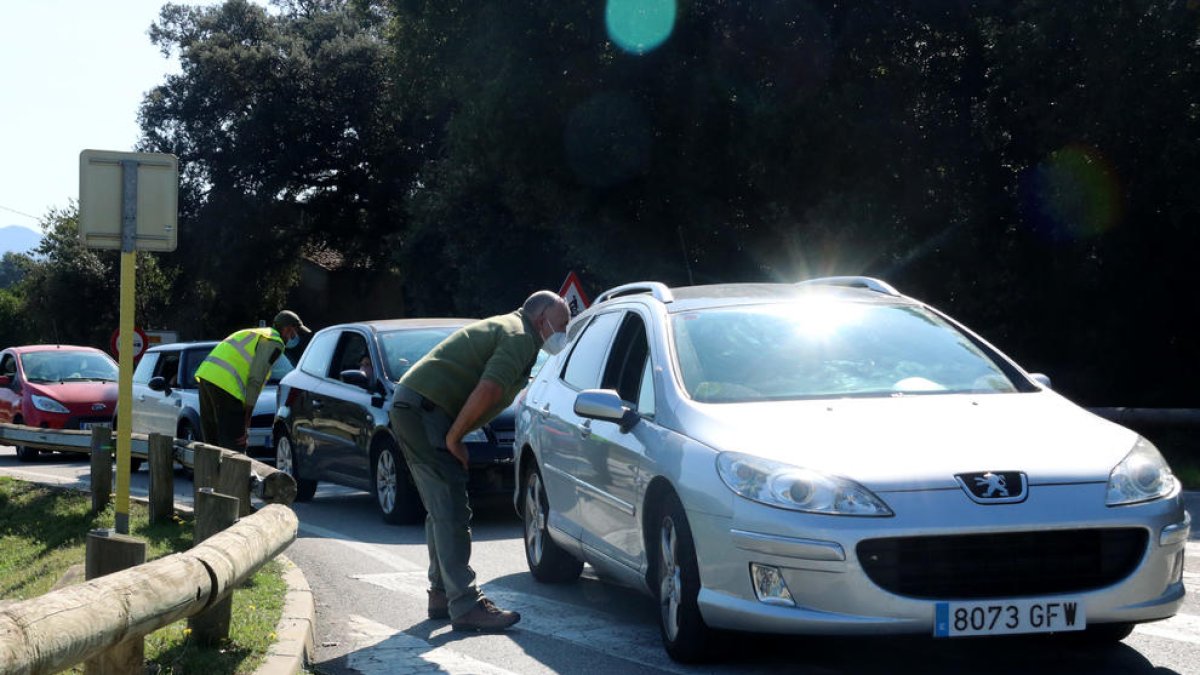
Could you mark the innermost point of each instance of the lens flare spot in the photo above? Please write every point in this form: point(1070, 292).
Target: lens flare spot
point(638, 26)
point(1073, 194)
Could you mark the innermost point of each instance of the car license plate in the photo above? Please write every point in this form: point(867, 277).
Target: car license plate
point(1009, 617)
point(86, 426)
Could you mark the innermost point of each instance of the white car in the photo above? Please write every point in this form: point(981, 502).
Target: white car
point(166, 399)
point(834, 457)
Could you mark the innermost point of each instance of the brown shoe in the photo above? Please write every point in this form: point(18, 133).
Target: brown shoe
point(439, 605)
point(485, 616)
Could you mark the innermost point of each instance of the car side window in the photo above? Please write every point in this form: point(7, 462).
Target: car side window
point(8, 366)
point(583, 366)
point(145, 368)
point(350, 351)
point(627, 359)
point(168, 368)
point(317, 355)
point(645, 403)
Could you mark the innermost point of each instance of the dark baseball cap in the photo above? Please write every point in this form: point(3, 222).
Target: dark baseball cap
point(289, 318)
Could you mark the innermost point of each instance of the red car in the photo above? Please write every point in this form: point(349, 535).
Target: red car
point(56, 387)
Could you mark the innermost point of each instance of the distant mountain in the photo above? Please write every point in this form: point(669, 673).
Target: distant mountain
point(18, 239)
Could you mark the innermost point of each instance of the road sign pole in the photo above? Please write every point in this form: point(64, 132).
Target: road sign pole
point(129, 177)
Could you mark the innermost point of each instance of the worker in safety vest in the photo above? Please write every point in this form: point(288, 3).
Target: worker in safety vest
point(233, 375)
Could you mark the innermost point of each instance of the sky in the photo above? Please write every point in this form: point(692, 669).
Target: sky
point(72, 75)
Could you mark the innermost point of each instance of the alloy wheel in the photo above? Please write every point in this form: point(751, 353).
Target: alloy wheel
point(283, 456)
point(535, 518)
point(670, 577)
point(385, 481)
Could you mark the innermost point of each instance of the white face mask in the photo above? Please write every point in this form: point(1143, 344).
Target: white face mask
point(555, 343)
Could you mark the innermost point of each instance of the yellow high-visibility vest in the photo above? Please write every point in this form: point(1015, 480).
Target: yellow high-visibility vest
point(228, 364)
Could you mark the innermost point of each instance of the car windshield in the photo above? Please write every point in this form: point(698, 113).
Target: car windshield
point(818, 349)
point(281, 367)
point(402, 348)
point(67, 365)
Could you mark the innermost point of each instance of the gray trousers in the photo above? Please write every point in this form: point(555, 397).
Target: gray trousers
point(442, 483)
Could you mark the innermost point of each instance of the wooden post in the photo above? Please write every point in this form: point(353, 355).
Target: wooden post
point(234, 480)
point(206, 463)
point(214, 513)
point(109, 552)
point(101, 455)
point(162, 478)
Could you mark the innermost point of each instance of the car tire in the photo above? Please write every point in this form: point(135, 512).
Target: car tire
point(685, 636)
point(187, 433)
point(548, 562)
point(26, 453)
point(285, 461)
point(393, 486)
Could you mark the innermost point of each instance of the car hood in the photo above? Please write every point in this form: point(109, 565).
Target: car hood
point(920, 442)
point(266, 401)
point(76, 393)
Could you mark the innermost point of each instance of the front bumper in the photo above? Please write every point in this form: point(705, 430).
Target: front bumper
point(818, 559)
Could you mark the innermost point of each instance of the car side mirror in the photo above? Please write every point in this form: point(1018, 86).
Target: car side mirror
point(605, 404)
point(1041, 378)
point(159, 383)
point(357, 378)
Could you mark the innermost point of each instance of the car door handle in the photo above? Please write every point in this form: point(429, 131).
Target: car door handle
point(585, 429)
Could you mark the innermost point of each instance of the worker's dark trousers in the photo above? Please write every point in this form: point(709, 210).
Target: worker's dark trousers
point(222, 417)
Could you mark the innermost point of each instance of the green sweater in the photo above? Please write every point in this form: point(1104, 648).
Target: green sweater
point(500, 348)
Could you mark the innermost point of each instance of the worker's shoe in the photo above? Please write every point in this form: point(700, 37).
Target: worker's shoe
point(439, 605)
point(485, 616)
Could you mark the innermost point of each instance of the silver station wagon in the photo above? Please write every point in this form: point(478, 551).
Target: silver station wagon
point(833, 457)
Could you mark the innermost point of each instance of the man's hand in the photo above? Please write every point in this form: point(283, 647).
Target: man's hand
point(458, 449)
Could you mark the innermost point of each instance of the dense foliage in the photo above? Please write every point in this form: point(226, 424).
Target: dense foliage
point(1022, 164)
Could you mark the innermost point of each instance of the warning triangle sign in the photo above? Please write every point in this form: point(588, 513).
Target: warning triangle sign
point(572, 292)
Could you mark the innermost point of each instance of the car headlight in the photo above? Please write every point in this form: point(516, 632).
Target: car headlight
point(1141, 477)
point(795, 488)
point(477, 436)
point(47, 404)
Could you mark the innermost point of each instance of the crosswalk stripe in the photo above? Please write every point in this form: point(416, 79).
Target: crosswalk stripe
point(1181, 628)
point(558, 620)
point(382, 650)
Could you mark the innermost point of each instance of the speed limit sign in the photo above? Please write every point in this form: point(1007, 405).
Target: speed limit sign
point(139, 342)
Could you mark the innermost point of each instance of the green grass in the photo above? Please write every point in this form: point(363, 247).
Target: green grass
point(43, 532)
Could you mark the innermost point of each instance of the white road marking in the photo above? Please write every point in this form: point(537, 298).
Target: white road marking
point(38, 476)
point(382, 650)
point(373, 551)
point(1192, 549)
point(557, 620)
point(1181, 628)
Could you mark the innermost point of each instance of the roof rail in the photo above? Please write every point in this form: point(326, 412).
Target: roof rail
point(869, 283)
point(655, 288)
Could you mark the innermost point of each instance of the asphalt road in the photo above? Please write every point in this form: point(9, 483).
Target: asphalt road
point(368, 579)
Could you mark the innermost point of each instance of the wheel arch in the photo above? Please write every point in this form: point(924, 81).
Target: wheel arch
point(656, 491)
point(525, 459)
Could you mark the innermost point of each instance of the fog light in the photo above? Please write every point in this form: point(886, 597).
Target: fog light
point(1176, 575)
point(1173, 534)
point(769, 585)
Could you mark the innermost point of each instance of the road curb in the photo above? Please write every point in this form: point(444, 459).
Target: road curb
point(293, 646)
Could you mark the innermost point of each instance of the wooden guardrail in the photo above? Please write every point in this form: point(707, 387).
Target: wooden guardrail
point(54, 631)
point(269, 485)
point(103, 620)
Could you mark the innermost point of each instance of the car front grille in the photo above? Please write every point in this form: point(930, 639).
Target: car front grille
point(1005, 565)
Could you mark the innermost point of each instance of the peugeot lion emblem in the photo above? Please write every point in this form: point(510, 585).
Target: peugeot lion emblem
point(98, 406)
point(994, 487)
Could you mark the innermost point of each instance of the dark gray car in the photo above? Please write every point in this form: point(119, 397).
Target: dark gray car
point(332, 419)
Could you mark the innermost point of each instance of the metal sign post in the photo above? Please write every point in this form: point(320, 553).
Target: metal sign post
point(110, 203)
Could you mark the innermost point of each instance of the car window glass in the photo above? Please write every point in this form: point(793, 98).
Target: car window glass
point(169, 368)
point(8, 365)
point(318, 353)
point(350, 351)
point(587, 356)
point(645, 403)
point(821, 348)
point(403, 348)
point(190, 361)
point(623, 371)
point(145, 368)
